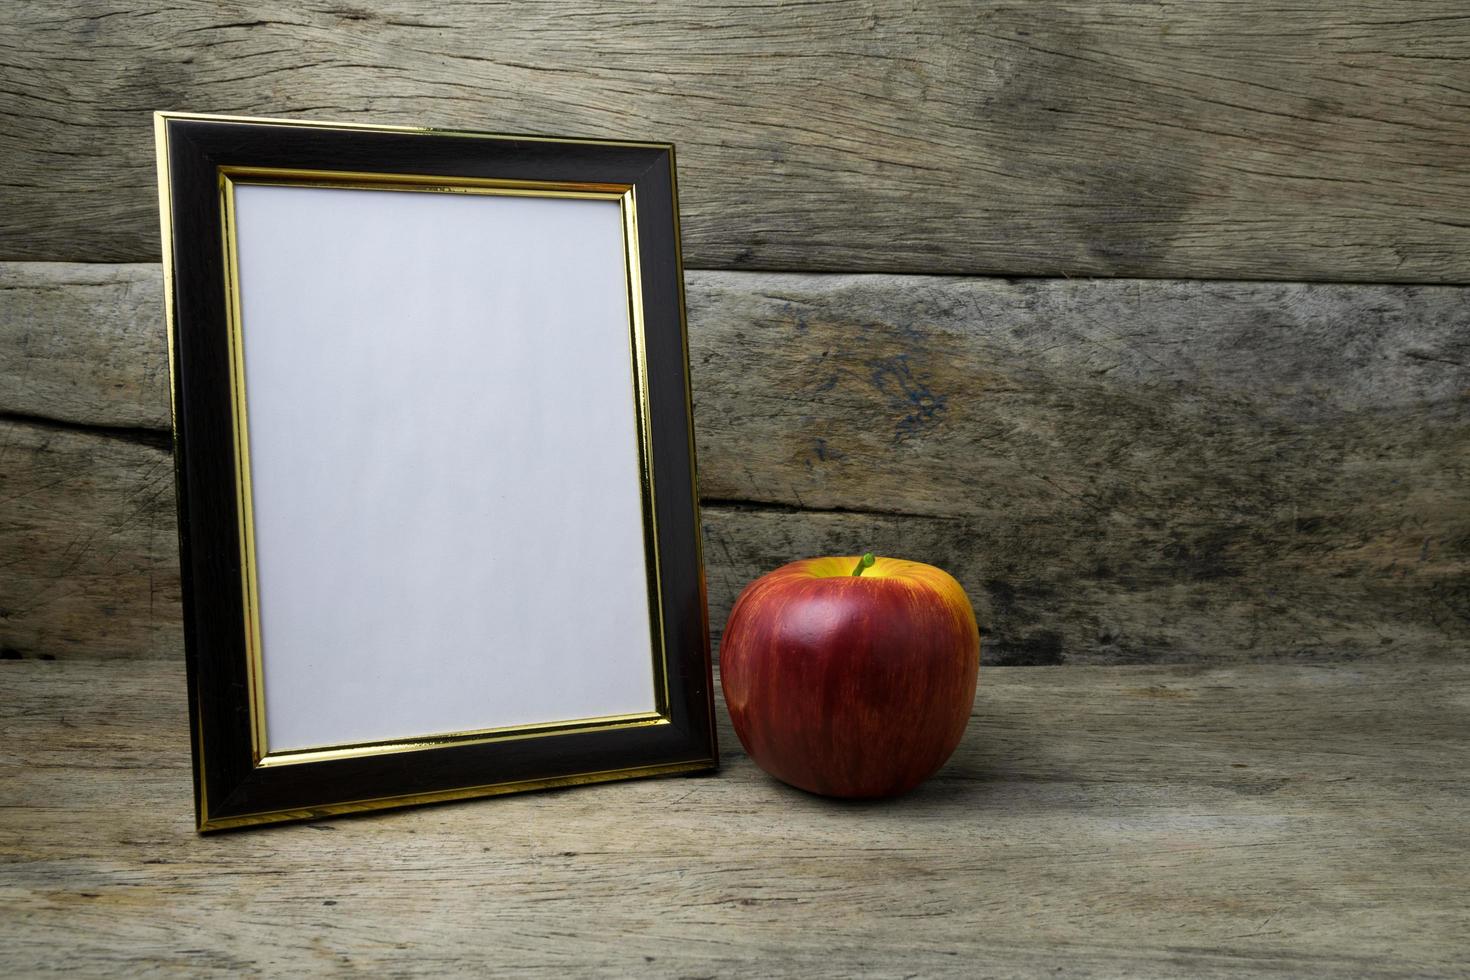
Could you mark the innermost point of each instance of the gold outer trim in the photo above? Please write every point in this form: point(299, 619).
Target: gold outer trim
point(421, 130)
point(709, 670)
point(166, 231)
point(208, 825)
point(229, 178)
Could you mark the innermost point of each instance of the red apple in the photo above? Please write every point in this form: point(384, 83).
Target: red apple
point(851, 677)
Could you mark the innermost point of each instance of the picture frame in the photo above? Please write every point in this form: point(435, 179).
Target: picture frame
point(438, 515)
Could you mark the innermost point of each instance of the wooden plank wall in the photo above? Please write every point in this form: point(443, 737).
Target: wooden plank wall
point(1309, 140)
point(1224, 415)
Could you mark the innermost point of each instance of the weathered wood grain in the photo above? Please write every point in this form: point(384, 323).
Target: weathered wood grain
point(1141, 822)
point(1313, 140)
point(1117, 471)
point(88, 544)
point(84, 343)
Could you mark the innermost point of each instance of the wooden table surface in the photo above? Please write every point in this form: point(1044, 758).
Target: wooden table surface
point(1096, 821)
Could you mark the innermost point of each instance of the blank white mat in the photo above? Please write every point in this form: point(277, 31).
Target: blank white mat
point(443, 450)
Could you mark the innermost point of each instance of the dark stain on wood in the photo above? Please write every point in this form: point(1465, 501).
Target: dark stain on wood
point(921, 407)
point(1041, 648)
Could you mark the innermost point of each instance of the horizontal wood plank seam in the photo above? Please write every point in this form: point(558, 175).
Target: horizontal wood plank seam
point(162, 439)
point(158, 438)
point(773, 507)
point(779, 270)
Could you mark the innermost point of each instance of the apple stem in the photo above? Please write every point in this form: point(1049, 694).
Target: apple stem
point(864, 562)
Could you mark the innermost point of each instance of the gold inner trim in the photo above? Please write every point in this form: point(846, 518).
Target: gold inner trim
point(427, 183)
point(507, 733)
point(229, 178)
point(645, 444)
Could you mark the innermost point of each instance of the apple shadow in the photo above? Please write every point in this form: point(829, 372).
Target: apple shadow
point(997, 757)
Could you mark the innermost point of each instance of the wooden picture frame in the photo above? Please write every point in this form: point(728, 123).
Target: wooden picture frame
point(438, 522)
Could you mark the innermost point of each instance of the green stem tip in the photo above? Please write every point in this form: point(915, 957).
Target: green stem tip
point(866, 561)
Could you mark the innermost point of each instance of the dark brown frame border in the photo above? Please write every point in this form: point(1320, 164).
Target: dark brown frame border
point(231, 789)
